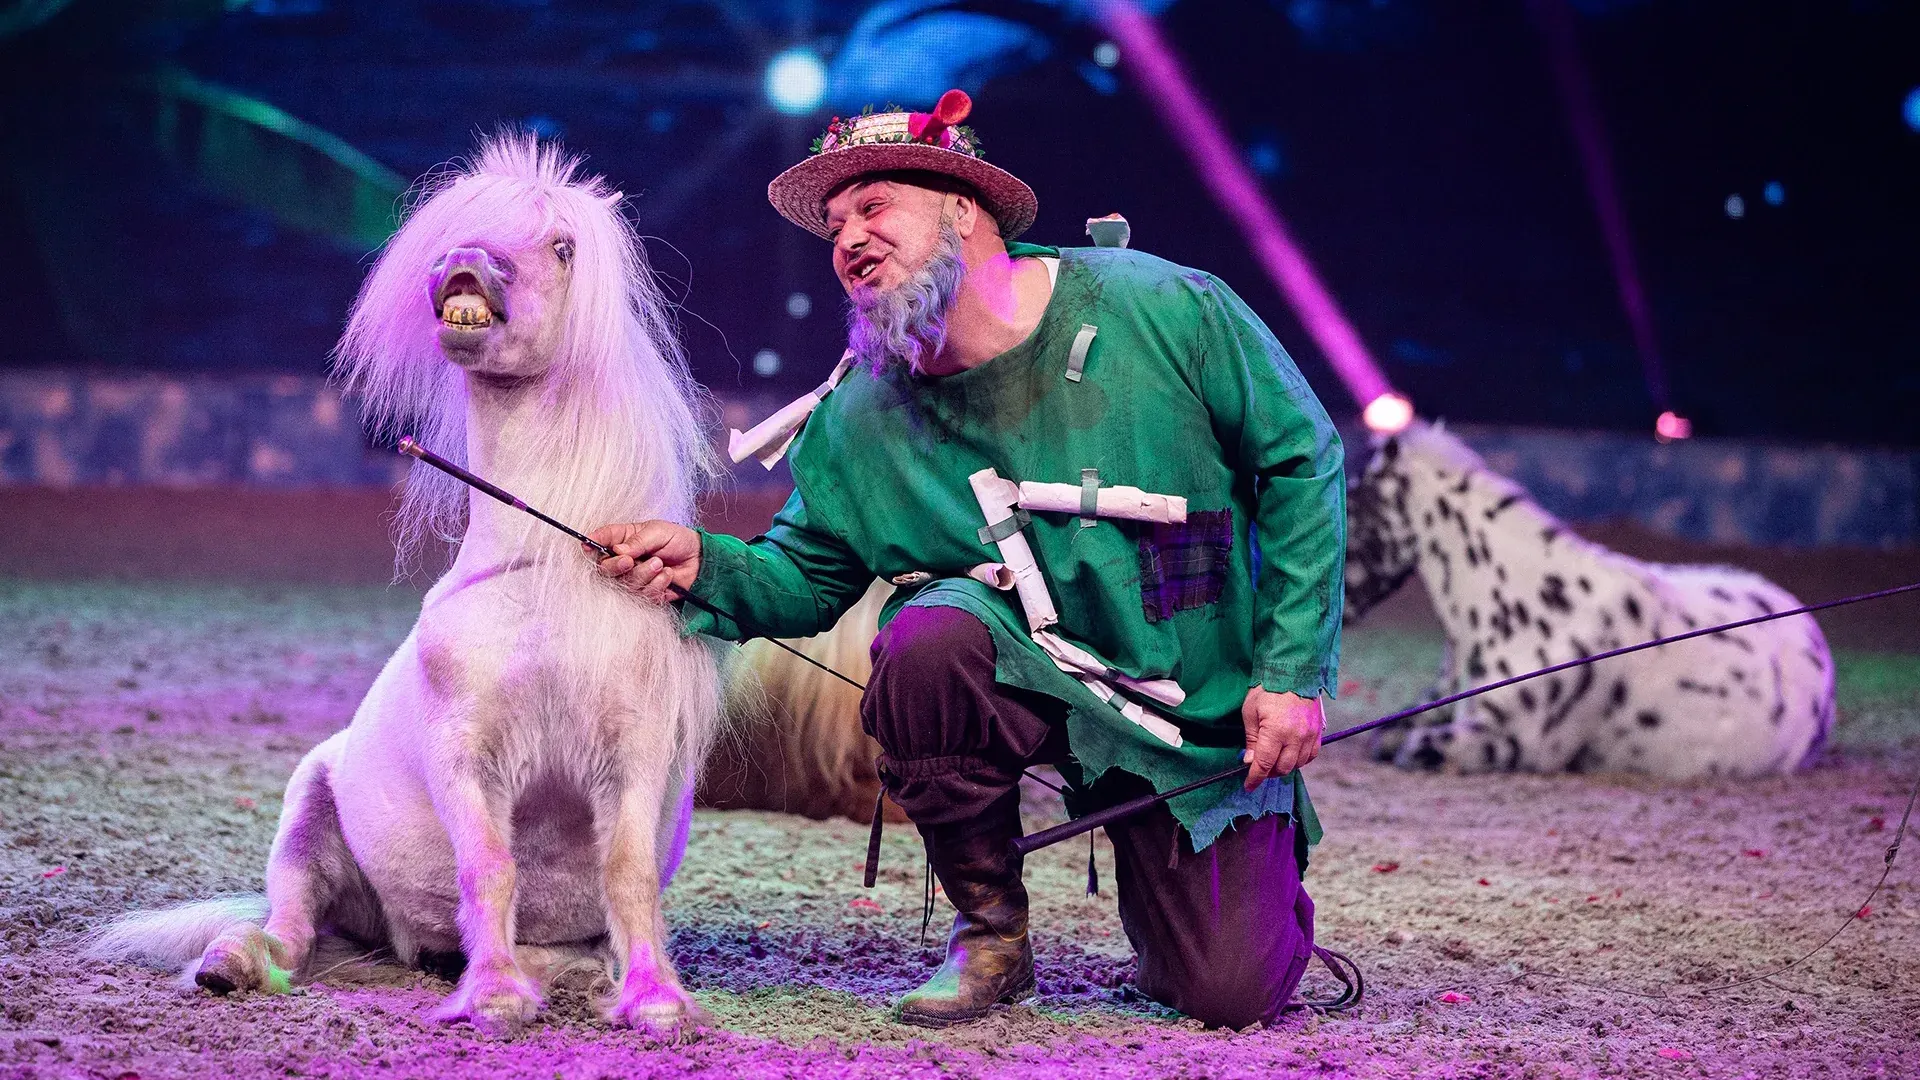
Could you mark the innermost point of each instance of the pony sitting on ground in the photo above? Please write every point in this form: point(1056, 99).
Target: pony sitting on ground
point(515, 790)
point(1517, 591)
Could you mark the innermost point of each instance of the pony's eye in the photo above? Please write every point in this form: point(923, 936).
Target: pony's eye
point(563, 249)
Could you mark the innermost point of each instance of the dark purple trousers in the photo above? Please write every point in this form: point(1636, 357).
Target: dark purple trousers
point(1223, 935)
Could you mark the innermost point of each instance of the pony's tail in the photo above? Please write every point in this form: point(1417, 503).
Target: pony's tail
point(176, 936)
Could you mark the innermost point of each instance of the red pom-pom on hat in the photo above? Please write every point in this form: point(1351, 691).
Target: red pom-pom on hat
point(953, 107)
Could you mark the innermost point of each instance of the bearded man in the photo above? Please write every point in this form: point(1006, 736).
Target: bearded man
point(1140, 648)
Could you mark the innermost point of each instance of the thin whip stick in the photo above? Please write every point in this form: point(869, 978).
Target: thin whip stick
point(1026, 845)
point(414, 450)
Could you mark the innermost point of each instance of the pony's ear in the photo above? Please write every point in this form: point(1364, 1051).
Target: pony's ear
point(1440, 424)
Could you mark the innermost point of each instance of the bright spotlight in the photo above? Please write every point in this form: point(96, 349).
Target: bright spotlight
point(1910, 108)
point(799, 305)
point(766, 363)
point(796, 81)
point(1736, 207)
point(1672, 427)
point(1388, 414)
point(1106, 54)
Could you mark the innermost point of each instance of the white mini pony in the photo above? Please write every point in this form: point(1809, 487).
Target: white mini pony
point(1517, 590)
point(516, 786)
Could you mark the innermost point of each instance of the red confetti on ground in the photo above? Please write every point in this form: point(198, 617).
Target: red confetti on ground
point(766, 924)
point(55, 872)
point(1865, 911)
point(1768, 895)
point(1673, 1053)
point(1755, 852)
point(244, 803)
point(1483, 881)
point(1455, 997)
point(1349, 686)
point(1876, 824)
point(1385, 867)
point(1594, 899)
point(1553, 832)
point(861, 903)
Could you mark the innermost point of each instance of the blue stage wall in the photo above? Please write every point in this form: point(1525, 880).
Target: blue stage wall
point(75, 429)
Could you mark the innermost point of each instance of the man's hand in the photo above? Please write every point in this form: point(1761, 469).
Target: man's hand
point(650, 557)
point(1283, 733)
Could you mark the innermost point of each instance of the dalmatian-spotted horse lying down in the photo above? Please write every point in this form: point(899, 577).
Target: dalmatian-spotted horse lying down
point(1516, 590)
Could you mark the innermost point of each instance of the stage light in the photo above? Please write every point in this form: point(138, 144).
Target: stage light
point(1388, 414)
point(1672, 427)
point(1106, 54)
point(1775, 193)
point(1911, 108)
point(1736, 207)
point(799, 305)
point(766, 363)
point(796, 81)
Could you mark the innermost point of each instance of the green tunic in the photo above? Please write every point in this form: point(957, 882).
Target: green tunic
point(1184, 392)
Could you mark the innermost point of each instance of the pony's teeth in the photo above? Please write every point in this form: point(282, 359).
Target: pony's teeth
point(466, 310)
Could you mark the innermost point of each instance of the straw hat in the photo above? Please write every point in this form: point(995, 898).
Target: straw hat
point(892, 141)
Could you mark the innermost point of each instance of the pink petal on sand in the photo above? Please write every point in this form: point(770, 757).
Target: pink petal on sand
point(1755, 852)
point(1865, 911)
point(1483, 881)
point(1385, 867)
point(55, 872)
point(1594, 899)
point(1674, 1053)
point(1876, 824)
point(1455, 997)
point(1349, 687)
point(861, 903)
point(244, 803)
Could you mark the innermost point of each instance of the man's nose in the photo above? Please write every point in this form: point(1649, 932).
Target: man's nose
point(852, 240)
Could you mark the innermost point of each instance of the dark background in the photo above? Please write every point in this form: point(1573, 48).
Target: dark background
point(1417, 147)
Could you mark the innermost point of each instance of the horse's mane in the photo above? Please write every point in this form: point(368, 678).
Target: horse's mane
point(623, 437)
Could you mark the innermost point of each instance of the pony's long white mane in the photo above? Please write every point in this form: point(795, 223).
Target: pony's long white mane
point(623, 438)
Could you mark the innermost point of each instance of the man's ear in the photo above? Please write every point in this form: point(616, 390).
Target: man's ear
point(966, 214)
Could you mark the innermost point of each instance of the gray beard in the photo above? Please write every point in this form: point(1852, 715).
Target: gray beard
point(907, 323)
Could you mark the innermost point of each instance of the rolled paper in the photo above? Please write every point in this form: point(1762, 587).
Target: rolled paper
point(995, 574)
point(1070, 657)
point(1113, 502)
point(997, 497)
point(768, 440)
point(1153, 723)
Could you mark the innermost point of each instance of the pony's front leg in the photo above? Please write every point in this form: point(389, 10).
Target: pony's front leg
point(493, 995)
point(650, 995)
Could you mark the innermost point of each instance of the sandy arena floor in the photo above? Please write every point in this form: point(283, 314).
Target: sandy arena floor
point(146, 731)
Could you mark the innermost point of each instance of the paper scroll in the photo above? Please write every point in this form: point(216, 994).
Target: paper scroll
point(997, 497)
point(768, 440)
point(1112, 502)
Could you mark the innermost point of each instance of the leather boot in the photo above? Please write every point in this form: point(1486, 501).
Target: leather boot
point(989, 955)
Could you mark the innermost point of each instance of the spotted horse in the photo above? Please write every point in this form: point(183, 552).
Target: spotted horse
point(1517, 590)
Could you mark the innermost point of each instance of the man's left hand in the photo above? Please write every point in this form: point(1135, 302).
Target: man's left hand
point(1283, 733)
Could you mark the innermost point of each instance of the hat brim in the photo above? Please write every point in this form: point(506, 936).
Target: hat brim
point(800, 193)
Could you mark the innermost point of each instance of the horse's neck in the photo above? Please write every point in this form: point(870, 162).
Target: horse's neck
point(1510, 549)
point(502, 423)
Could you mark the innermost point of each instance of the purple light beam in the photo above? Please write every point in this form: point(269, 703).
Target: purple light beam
point(1199, 133)
point(1555, 23)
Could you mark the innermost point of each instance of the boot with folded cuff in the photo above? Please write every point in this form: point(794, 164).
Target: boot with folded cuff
point(989, 955)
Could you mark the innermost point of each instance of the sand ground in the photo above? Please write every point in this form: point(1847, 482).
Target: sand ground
point(146, 730)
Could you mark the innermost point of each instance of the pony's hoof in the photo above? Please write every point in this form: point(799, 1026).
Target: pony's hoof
point(239, 963)
point(498, 1004)
point(669, 1015)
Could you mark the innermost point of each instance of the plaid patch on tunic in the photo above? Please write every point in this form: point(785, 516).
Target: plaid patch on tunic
point(1185, 566)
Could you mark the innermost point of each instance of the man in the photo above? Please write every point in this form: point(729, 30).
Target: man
point(1107, 370)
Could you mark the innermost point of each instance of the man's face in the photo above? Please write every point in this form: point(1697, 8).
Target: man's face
point(883, 231)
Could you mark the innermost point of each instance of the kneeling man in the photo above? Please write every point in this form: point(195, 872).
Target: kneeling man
point(1114, 511)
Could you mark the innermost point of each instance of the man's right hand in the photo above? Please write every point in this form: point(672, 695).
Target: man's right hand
point(650, 557)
